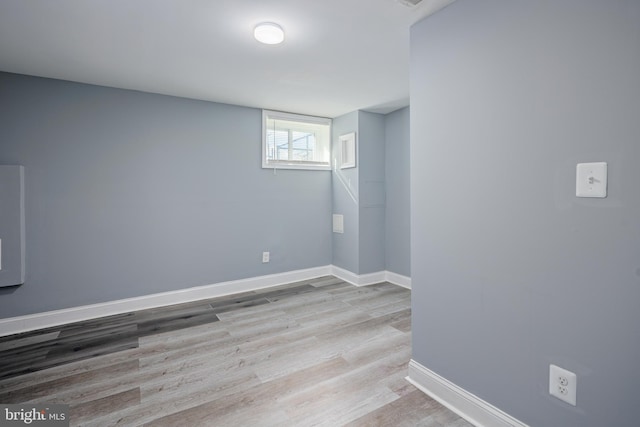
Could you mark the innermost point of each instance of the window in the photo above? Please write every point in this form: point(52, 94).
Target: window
point(293, 141)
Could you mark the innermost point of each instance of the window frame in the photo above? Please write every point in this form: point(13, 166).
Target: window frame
point(293, 164)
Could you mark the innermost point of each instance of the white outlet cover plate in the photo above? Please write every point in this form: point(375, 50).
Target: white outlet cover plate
point(591, 180)
point(556, 373)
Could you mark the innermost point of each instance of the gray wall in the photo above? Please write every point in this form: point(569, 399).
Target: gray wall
point(510, 271)
point(397, 224)
point(130, 194)
point(11, 225)
point(359, 194)
point(371, 168)
point(345, 198)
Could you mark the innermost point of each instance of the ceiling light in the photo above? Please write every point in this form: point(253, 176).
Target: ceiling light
point(269, 33)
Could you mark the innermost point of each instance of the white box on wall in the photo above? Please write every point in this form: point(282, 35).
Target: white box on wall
point(338, 223)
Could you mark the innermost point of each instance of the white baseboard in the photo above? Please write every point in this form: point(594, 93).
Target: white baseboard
point(47, 319)
point(345, 275)
point(358, 279)
point(467, 405)
point(14, 325)
point(371, 278)
point(398, 279)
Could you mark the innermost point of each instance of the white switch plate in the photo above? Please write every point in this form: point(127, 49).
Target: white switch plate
point(591, 180)
point(265, 257)
point(338, 223)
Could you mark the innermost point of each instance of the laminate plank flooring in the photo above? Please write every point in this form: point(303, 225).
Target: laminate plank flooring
point(314, 353)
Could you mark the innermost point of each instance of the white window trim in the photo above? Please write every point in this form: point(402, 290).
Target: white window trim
point(348, 147)
point(266, 164)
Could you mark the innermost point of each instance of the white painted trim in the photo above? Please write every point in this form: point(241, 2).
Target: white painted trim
point(47, 319)
point(398, 279)
point(467, 405)
point(345, 275)
point(14, 325)
point(357, 279)
point(371, 278)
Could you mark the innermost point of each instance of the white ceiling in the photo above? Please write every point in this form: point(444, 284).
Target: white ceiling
point(338, 55)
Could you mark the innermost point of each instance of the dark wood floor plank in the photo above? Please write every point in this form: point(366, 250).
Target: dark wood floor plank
point(71, 352)
point(225, 306)
point(280, 294)
point(20, 359)
point(96, 325)
point(53, 387)
point(13, 344)
point(152, 327)
point(181, 311)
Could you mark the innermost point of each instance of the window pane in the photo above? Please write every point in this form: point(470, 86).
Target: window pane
point(292, 140)
point(277, 144)
point(304, 144)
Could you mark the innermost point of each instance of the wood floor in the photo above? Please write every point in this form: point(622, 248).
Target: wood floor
point(320, 352)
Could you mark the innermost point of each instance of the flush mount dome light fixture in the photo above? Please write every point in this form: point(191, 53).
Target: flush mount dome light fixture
point(269, 33)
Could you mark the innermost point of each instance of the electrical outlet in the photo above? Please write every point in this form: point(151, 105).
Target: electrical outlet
point(265, 257)
point(562, 384)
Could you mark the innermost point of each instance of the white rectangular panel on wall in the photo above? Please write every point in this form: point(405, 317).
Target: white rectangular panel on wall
point(12, 225)
point(338, 223)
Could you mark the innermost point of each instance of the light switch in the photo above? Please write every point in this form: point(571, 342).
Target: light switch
point(591, 180)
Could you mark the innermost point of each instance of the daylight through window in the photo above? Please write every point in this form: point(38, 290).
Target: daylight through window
point(293, 141)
